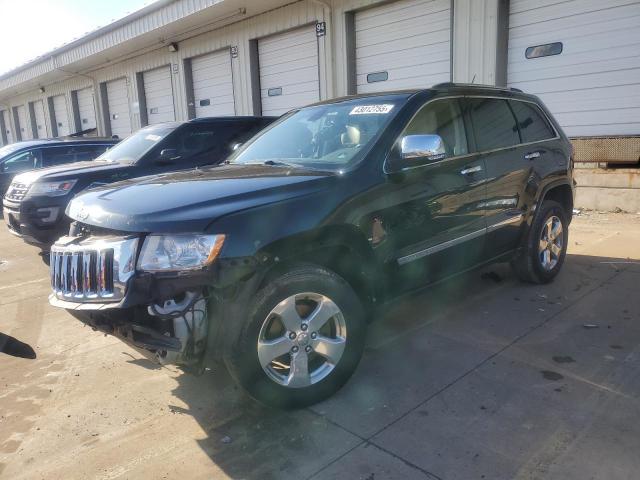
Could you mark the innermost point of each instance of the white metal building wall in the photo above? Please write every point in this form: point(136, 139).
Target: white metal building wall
point(6, 117)
point(86, 108)
point(213, 84)
point(61, 115)
point(158, 92)
point(593, 86)
point(41, 122)
point(288, 65)
point(25, 129)
point(118, 104)
point(403, 44)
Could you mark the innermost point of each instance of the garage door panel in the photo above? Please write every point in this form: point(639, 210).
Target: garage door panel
point(400, 11)
point(592, 86)
point(213, 84)
point(576, 68)
point(118, 102)
point(407, 39)
point(61, 115)
point(563, 10)
point(7, 126)
point(41, 122)
point(158, 91)
point(25, 130)
point(86, 109)
point(288, 64)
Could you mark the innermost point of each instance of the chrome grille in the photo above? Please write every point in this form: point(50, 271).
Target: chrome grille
point(93, 269)
point(17, 191)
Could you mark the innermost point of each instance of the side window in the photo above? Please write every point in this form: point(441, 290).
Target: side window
point(57, 156)
point(493, 124)
point(89, 152)
point(533, 125)
point(444, 118)
point(23, 161)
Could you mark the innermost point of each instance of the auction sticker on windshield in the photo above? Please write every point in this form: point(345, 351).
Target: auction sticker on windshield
point(369, 109)
point(153, 138)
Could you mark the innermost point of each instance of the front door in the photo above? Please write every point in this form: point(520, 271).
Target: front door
point(433, 217)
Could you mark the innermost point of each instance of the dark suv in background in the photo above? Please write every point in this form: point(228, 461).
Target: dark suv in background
point(32, 154)
point(35, 203)
point(275, 261)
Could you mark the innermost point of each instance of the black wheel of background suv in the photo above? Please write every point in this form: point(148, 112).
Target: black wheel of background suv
point(303, 338)
point(546, 245)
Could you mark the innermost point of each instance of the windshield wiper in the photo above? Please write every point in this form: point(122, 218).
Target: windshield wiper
point(278, 163)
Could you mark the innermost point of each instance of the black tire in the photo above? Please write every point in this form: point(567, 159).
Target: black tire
point(528, 265)
point(243, 363)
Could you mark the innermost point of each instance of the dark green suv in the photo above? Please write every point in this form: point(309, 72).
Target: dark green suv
point(275, 261)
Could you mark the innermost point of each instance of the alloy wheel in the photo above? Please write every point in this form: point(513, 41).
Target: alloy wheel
point(551, 243)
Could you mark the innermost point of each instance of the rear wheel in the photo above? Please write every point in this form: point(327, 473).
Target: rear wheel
point(302, 340)
point(546, 245)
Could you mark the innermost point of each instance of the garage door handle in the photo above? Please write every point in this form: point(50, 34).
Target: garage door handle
point(533, 155)
point(470, 170)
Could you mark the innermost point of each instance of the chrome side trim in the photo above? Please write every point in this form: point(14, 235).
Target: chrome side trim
point(457, 241)
point(505, 223)
point(441, 246)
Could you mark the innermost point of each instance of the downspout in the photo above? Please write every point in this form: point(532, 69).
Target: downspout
point(329, 44)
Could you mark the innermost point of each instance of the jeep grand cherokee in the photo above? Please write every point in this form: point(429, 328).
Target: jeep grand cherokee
point(275, 261)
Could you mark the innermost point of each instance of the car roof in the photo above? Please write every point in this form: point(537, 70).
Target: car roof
point(61, 141)
point(245, 118)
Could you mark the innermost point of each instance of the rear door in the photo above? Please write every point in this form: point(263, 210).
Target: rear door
point(497, 139)
point(434, 219)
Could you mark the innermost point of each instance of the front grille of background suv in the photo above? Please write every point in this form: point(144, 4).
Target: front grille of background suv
point(92, 269)
point(17, 191)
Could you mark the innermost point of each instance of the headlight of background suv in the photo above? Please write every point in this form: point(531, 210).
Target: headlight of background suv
point(179, 252)
point(51, 189)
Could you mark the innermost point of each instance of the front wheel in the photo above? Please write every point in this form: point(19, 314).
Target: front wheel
point(545, 248)
point(302, 340)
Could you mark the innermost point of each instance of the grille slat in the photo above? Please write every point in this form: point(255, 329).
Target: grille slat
point(17, 191)
point(92, 269)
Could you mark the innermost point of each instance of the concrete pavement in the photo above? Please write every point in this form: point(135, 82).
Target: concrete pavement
point(480, 377)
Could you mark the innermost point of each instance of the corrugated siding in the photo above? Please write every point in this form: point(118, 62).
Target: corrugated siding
point(288, 70)
point(593, 87)
point(407, 42)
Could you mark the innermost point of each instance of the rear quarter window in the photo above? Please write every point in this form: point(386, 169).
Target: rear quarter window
point(493, 124)
point(533, 124)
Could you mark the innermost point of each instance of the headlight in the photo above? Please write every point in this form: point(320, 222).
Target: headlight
point(179, 252)
point(52, 189)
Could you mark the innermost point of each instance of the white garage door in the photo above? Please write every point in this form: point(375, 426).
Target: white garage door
point(158, 93)
point(118, 103)
point(404, 44)
point(288, 70)
point(87, 109)
point(213, 85)
point(62, 115)
point(8, 130)
point(25, 130)
point(590, 76)
point(41, 122)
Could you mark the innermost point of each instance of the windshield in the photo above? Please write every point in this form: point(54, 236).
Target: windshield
point(324, 137)
point(133, 148)
point(9, 149)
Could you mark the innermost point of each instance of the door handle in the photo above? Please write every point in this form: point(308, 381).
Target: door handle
point(470, 170)
point(533, 155)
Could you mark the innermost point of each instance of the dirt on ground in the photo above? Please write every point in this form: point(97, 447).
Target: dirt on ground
point(479, 377)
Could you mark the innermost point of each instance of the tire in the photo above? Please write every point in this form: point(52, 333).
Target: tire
point(313, 290)
point(532, 265)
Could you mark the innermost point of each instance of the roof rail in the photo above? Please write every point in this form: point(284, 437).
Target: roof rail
point(477, 85)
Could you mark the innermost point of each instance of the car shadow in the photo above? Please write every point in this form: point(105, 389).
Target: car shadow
point(247, 440)
point(15, 348)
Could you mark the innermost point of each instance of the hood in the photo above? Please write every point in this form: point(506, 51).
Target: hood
point(190, 201)
point(67, 171)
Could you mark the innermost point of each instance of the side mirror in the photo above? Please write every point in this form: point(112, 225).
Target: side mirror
point(418, 150)
point(168, 155)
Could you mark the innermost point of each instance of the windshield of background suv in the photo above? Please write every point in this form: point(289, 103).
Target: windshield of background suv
point(9, 149)
point(323, 137)
point(133, 148)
